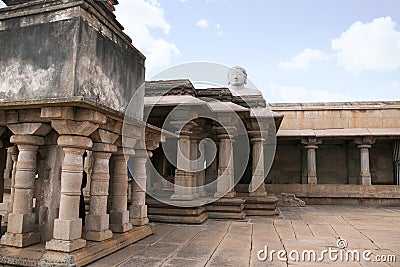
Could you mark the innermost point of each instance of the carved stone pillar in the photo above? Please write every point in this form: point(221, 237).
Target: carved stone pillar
point(97, 221)
point(201, 183)
point(257, 186)
point(364, 144)
point(184, 183)
point(225, 183)
point(311, 146)
point(74, 127)
point(194, 146)
point(68, 227)
point(119, 214)
point(138, 207)
point(9, 165)
point(13, 151)
point(21, 222)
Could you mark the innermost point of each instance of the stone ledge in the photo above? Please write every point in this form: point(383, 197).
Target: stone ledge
point(36, 255)
point(198, 219)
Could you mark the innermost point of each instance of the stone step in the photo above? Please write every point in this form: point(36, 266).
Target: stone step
point(196, 219)
point(176, 211)
point(259, 206)
point(224, 208)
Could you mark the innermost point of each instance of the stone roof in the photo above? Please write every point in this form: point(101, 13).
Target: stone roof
point(169, 87)
point(350, 132)
point(335, 105)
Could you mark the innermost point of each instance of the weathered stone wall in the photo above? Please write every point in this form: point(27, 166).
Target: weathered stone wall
point(337, 163)
point(68, 51)
point(286, 168)
point(381, 159)
point(339, 115)
point(332, 164)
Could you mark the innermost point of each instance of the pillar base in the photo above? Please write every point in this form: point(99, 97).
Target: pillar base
point(20, 240)
point(139, 221)
point(226, 195)
point(366, 180)
point(119, 221)
point(97, 223)
point(65, 245)
point(182, 197)
point(258, 194)
point(67, 229)
point(98, 236)
point(21, 223)
point(312, 180)
point(120, 228)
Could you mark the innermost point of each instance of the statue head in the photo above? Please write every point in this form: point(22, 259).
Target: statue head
point(237, 76)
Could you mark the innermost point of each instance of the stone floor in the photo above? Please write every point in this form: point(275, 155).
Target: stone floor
point(297, 230)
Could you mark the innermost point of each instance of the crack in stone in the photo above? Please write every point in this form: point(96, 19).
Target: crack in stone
point(219, 243)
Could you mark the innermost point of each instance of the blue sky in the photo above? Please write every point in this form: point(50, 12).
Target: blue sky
point(264, 36)
point(293, 50)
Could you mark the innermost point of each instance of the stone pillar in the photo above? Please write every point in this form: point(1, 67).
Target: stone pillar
point(68, 227)
point(13, 151)
point(119, 214)
point(97, 221)
point(183, 189)
point(21, 222)
point(194, 166)
point(9, 165)
point(364, 144)
point(138, 207)
point(258, 168)
point(74, 126)
point(311, 146)
point(225, 182)
point(200, 172)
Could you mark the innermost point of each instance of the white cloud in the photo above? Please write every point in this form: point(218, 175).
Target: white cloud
point(139, 17)
point(2, 4)
point(369, 46)
point(202, 23)
point(302, 60)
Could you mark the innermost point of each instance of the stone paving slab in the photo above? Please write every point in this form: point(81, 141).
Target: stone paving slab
point(238, 243)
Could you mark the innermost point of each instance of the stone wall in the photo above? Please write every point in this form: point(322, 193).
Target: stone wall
point(72, 50)
point(339, 115)
point(382, 163)
point(332, 164)
point(286, 168)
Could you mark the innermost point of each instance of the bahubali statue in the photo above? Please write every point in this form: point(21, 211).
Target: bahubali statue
point(237, 78)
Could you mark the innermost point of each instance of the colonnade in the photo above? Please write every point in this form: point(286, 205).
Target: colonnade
point(78, 130)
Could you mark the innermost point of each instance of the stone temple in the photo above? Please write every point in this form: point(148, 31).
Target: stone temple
point(77, 155)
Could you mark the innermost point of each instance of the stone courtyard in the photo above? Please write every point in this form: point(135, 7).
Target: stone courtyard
point(237, 243)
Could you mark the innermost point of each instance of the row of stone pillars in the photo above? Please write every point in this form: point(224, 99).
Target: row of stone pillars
point(185, 180)
point(22, 230)
point(311, 145)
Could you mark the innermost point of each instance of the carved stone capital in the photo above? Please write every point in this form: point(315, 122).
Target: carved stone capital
point(68, 127)
point(40, 129)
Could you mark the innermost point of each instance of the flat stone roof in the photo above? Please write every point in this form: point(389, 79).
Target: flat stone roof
point(350, 132)
point(335, 105)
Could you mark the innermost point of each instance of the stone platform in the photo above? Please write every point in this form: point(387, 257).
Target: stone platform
point(260, 206)
point(36, 255)
point(331, 194)
point(224, 208)
point(227, 208)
